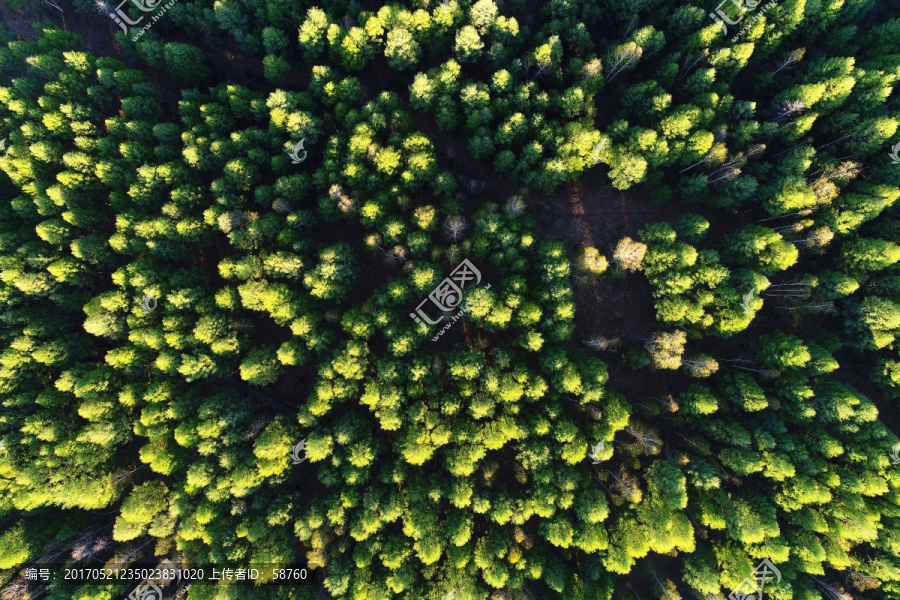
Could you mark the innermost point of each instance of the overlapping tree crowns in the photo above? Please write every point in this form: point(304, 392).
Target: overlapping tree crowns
point(742, 476)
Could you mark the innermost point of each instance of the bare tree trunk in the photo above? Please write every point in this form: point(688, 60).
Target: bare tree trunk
point(685, 69)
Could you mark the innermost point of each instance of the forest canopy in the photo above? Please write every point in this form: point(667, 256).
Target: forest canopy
point(452, 300)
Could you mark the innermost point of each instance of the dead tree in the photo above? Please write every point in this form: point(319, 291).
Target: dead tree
point(629, 254)
point(738, 161)
point(763, 373)
point(455, 227)
point(829, 590)
point(846, 170)
point(717, 153)
point(862, 581)
point(542, 66)
point(815, 307)
point(789, 108)
point(255, 427)
point(132, 553)
point(817, 238)
point(624, 57)
point(514, 206)
point(790, 58)
point(601, 343)
point(345, 203)
point(525, 63)
point(727, 174)
point(627, 486)
point(17, 589)
point(631, 25)
point(803, 212)
point(796, 227)
point(232, 220)
point(282, 207)
point(649, 443)
point(700, 365)
point(591, 69)
point(122, 476)
point(686, 68)
point(396, 255)
point(798, 290)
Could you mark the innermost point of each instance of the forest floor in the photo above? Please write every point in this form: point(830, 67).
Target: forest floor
point(590, 212)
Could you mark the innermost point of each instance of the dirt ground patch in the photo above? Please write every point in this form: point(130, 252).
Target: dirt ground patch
point(590, 212)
